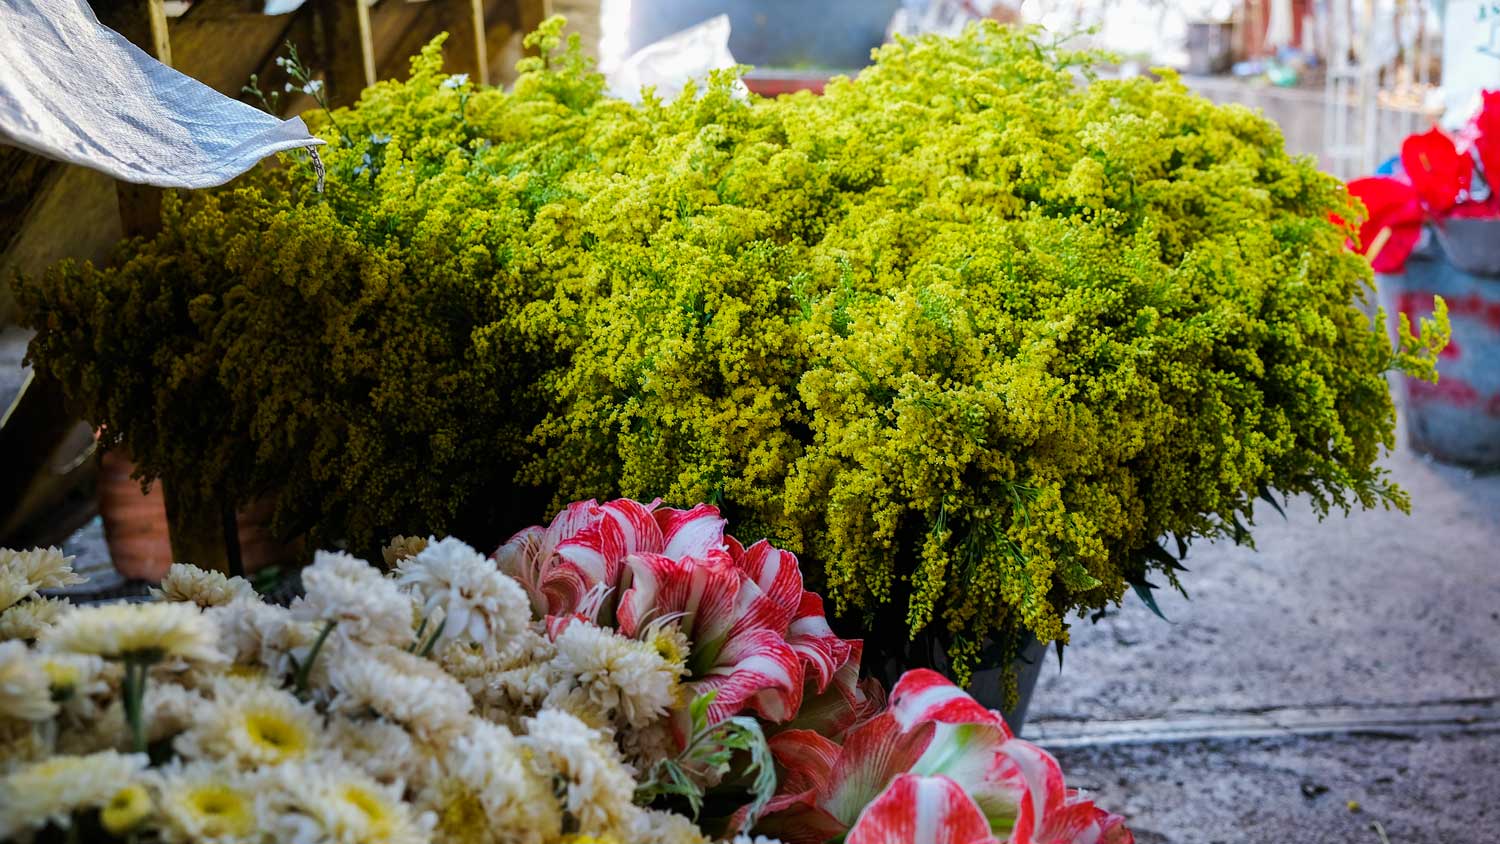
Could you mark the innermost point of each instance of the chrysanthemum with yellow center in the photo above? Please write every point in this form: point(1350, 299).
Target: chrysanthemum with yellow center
point(127, 810)
point(24, 691)
point(146, 631)
point(200, 802)
point(51, 791)
point(252, 725)
point(28, 619)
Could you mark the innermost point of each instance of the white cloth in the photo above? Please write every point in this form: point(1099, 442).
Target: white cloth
point(670, 64)
point(73, 90)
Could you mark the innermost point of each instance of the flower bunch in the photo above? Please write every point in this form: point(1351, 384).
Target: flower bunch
point(934, 766)
point(423, 705)
point(1440, 176)
point(737, 617)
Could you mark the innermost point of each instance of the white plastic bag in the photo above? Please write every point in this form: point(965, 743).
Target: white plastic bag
point(75, 91)
point(669, 64)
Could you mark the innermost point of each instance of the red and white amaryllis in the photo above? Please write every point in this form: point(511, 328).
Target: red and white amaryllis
point(935, 768)
point(758, 640)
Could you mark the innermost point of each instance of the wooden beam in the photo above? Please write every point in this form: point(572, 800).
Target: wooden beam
point(346, 49)
point(467, 50)
point(532, 13)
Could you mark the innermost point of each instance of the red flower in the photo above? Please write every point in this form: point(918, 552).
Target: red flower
point(1486, 141)
point(1392, 207)
point(1438, 171)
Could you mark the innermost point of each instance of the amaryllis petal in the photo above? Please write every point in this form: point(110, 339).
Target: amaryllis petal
point(758, 670)
point(776, 574)
point(824, 652)
point(804, 759)
point(1394, 222)
point(703, 591)
point(1486, 139)
point(921, 810)
point(874, 754)
point(691, 533)
point(1438, 171)
point(924, 695)
point(1076, 821)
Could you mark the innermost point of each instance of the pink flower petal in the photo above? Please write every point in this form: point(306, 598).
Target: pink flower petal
point(825, 653)
point(1076, 821)
point(921, 810)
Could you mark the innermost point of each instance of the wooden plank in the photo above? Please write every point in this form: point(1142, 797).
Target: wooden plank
point(467, 49)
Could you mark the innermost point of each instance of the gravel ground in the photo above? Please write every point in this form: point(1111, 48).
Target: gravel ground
point(1376, 634)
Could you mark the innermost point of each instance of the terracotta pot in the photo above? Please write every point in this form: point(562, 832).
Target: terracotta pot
point(136, 531)
point(135, 523)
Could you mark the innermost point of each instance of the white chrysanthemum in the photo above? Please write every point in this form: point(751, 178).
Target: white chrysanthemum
point(50, 791)
point(25, 690)
point(516, 691)
point(24, 742)
point(482, 790)
point(43, 568)
point(252, 724)
point(477, 602)
point(621, 679)
point(170, 708)
point(599, 789)
point(205, 803)
point(365, 606)
point(27, 620)
point(14, 588)
point(252, 632)
point(78, 682)
point(190, 584)
point(399, 686)
point(381, 748)
point(135, 630)
point(653, 826)
point(331, 802)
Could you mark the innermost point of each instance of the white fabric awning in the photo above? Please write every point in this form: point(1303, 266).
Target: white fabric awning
point(75, 91)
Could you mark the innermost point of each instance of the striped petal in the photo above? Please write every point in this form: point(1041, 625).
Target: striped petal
point(757, 670)
point(824, 653)
point(921, 810)
point(1076, 821)
point(704, 591)
point(691, 533)
point(874, 754)
point(923, 695)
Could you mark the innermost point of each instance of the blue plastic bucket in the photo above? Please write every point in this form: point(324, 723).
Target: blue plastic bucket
point(798, 34)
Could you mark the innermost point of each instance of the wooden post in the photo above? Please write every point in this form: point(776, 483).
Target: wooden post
point(468, 43)
point(532, 13)
point(346, 48)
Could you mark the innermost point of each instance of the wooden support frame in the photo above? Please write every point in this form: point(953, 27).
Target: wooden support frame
point(346, 48)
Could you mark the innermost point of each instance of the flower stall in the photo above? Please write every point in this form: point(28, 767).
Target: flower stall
point(965, 349)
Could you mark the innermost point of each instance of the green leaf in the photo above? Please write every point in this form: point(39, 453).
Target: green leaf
point(1265, 495)
point(1143, 589)
point(1077, 578)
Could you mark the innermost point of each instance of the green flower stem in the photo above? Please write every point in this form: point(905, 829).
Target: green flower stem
point(305, 669)
point(136, 671)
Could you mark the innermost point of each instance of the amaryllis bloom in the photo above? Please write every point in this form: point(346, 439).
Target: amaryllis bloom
point(1437, 170)
point(1393, 224)
point(757, 639)
point(936, 766)
point(1486, 139)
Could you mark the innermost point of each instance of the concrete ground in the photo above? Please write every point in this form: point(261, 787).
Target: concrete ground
point(1343, 676)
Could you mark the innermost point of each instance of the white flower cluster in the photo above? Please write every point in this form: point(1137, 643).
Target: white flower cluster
point(422, 706)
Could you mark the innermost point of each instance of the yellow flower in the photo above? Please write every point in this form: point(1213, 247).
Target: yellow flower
point(125, 811)
point(142, 631)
